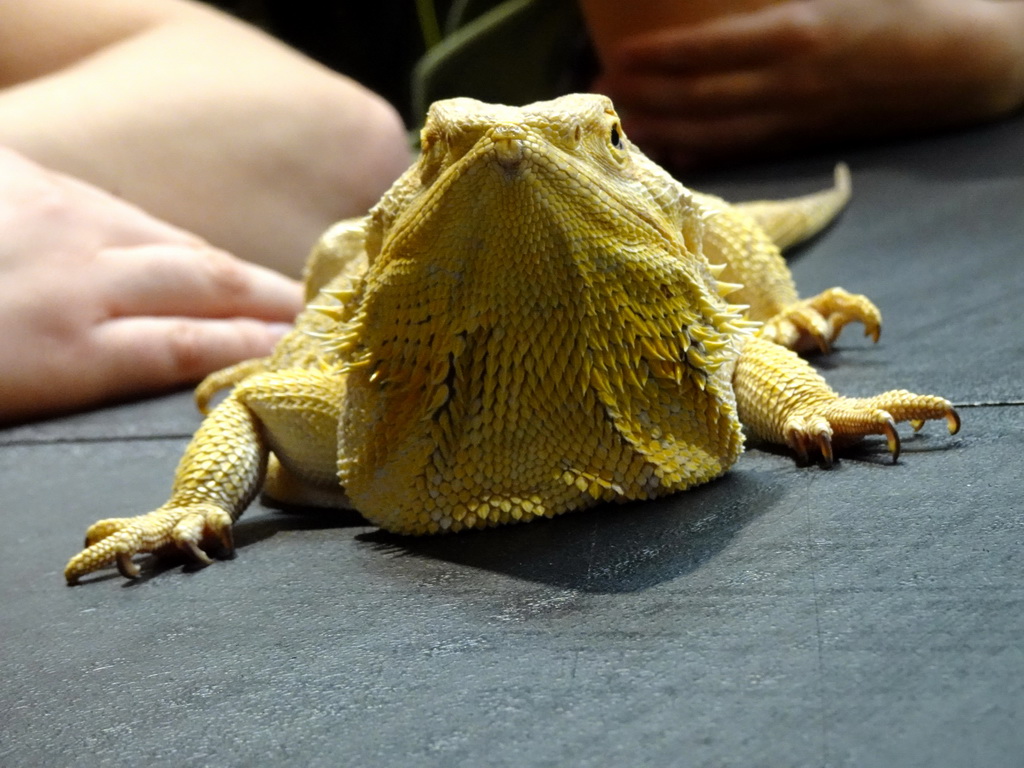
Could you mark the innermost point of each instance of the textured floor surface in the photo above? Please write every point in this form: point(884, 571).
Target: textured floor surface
point(871, 614)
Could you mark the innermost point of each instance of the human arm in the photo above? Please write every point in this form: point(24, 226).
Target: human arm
point(199, 119)
point(99, 300)
point(800, 72)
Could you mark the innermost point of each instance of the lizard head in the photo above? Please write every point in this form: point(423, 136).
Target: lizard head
point(468, 132)
point(493, 178)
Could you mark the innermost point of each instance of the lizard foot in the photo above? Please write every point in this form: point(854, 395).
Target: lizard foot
point(846, 419)
point(815, 323)
point(118, 540)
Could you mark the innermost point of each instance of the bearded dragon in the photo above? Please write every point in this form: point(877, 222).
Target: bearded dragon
point(534, 319)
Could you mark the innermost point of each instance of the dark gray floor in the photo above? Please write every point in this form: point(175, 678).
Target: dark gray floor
point(783, 616)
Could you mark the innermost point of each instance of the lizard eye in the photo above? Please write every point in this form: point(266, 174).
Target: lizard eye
point(616, 136)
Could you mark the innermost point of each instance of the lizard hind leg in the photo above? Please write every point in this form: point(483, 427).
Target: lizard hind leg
point(783, 400)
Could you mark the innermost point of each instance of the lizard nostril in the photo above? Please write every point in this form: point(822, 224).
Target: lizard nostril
point(509, 152)
point(509, 144)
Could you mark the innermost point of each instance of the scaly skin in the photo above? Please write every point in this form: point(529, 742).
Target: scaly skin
point(531, 321)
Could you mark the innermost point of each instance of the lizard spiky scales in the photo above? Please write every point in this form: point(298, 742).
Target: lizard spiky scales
point(535, 318)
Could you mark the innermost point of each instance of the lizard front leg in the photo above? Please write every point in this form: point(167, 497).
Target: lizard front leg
point(291, 412)
point(782, 399)
point(220, 473)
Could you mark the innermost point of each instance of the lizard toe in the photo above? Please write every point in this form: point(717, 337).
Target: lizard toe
point(101, 529)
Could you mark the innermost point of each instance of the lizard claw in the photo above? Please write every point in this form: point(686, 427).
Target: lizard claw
point(893, 439)
point(952, 420)
point(126, 566)
point(825, 446)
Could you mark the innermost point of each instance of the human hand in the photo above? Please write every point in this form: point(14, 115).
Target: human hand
point(99, 300)
point(801, 72)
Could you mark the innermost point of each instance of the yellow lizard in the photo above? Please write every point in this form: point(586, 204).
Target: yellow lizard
point(531, 321)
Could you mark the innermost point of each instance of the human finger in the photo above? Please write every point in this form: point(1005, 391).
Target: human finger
point(694, 141)
point(60, 211)
point(726, 43)
point(710, 94)
point(162, 279)
point(146, 354)
point(123, 223)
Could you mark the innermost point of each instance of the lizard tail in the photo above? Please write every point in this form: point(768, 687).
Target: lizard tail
point(794, 220)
